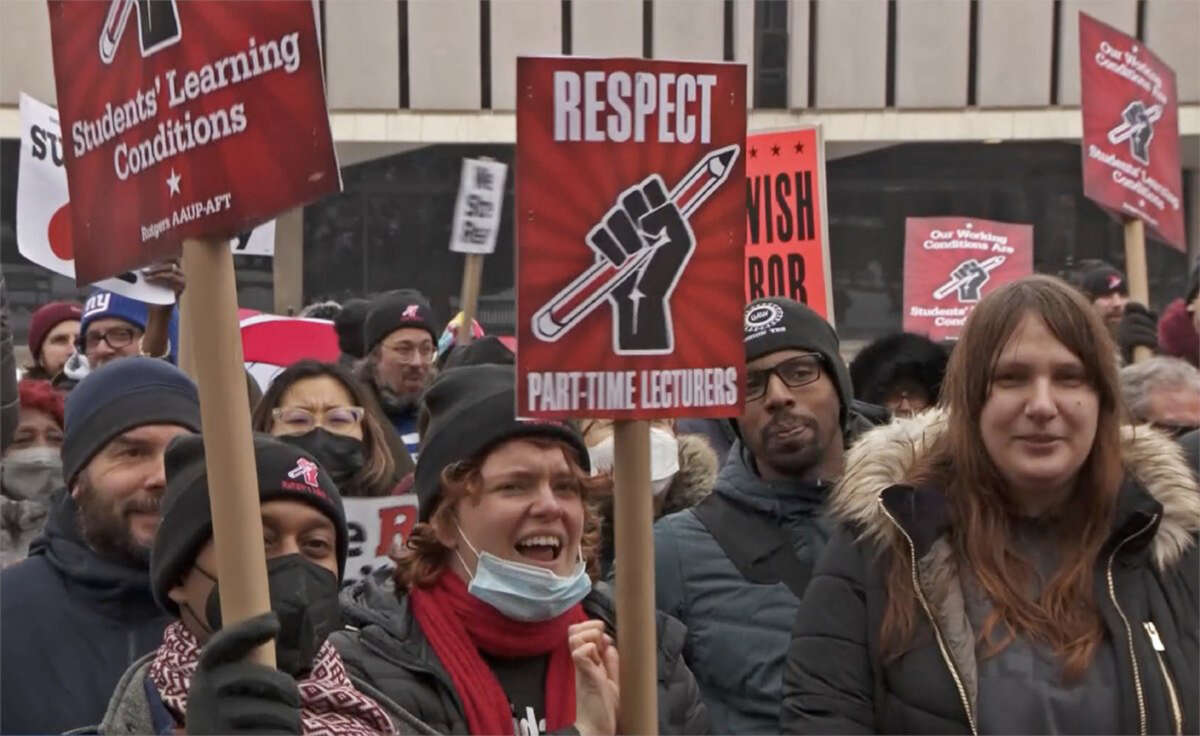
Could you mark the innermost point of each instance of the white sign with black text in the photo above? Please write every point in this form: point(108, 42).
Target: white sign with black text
point(477, 210)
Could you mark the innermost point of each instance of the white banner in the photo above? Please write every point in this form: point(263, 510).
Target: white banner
point(44, 227)
point(477, 209)
point(378, 526)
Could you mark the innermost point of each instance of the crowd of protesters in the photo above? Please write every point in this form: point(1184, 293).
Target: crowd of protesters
point(998, 535)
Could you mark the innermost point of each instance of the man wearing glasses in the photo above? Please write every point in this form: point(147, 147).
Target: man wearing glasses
point(734, 567)
point(116, 326)
point(400, 338)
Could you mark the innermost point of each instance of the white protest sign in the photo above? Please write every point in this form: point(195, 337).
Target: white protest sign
point(377, 527)
point(258, 242)
point(44, 228)
point(477, 209)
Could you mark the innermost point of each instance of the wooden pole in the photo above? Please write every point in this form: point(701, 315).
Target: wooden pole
point(469, 298)
point(228, 443)
point(1135, 273)
point(634, 520)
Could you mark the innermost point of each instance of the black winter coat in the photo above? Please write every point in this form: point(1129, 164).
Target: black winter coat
point(384, 647)
point(836, 681)
point(70, 623)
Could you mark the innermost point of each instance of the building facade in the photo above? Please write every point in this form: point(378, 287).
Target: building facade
point(929, 107)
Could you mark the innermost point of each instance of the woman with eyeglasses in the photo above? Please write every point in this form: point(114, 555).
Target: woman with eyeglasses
point(323, 409)
point(1017, 562)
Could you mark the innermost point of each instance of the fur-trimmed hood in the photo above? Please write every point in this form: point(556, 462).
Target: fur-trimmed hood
point(885, 456)
point(696, 476)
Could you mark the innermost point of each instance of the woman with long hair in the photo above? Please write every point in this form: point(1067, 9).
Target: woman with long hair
point(492, 623)
point(324, 409)
point(1016, 562)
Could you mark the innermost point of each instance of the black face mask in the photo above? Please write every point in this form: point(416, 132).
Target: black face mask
point(341, 456)
point(305, 597)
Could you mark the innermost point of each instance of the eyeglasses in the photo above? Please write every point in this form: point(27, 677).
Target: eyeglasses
point(406, 350)
point(794, 372)
point(116, 337)
point(334, 418)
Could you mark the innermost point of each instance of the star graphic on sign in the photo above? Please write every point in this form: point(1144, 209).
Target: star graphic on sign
point(799, 147)
point(753, 153)
point(173, 183)
point(774, 150)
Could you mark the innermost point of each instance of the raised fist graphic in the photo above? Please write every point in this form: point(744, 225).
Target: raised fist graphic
point(647, 227)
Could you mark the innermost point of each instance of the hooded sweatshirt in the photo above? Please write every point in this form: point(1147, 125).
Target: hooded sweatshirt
point(72, 623)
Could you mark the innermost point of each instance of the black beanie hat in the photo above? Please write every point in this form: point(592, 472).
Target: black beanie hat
point(471, 409)
point(482, 351)
point(396, 310)
point(777, 323)
point(284, 472)
point(119, 396)
point(349, 326)
point(1102, 280)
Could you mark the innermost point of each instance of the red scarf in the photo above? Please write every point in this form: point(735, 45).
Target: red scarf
point(330, 705)
point(458, 626)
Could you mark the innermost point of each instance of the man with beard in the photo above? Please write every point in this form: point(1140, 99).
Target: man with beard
point(1131, 324)
point(400, 340)
point(734, 567)
point(80, 609)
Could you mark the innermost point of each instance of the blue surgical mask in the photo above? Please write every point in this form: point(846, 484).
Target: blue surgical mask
point(524, 592)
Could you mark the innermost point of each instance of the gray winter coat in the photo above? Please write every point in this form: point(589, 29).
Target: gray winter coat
point(384, 647)
point(738, 629)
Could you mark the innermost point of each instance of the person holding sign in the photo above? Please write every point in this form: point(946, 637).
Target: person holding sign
point(494, 625)
point(719, 566)
point(1132, 325)
point(116, 326)
point(199, 678)
point(1015, 563)
point(79, 609)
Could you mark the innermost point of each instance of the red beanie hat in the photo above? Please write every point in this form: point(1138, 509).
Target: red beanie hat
point(46, 318)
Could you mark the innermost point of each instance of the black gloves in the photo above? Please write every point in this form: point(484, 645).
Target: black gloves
point(230, 694)
point(1138, 327)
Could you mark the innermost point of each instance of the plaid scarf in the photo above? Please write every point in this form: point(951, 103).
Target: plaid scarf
point(329, 703)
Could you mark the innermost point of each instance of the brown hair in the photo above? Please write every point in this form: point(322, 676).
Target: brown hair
point(424, 556)
point(378, 474)
point(1065, 615)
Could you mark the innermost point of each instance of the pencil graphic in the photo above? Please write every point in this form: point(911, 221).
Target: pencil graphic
point(114, 26)
point(952, 285)
point(577, 300)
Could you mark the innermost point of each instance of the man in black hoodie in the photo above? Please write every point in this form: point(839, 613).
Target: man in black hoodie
point(80, 609)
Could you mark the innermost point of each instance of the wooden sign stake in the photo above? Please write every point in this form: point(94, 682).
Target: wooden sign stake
point(469, 297)
point(634, 541)
point(228, 442)
point(1135, 273)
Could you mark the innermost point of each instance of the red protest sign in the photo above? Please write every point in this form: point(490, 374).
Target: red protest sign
point(186, 119)
point(787, 246)
point(630, 212)
point(951, 262)
point(1130, 130)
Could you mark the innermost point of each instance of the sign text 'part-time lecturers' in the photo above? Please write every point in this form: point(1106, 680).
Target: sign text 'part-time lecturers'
point(631, 209)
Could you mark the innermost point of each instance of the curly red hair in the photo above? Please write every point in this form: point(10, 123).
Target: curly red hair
point(41, 395)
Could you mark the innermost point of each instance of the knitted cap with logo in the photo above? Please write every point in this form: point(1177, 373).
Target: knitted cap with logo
point(1102, 281)
point(285, 472)
point(397, 310)
point(777, 323)
point(471, 410)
